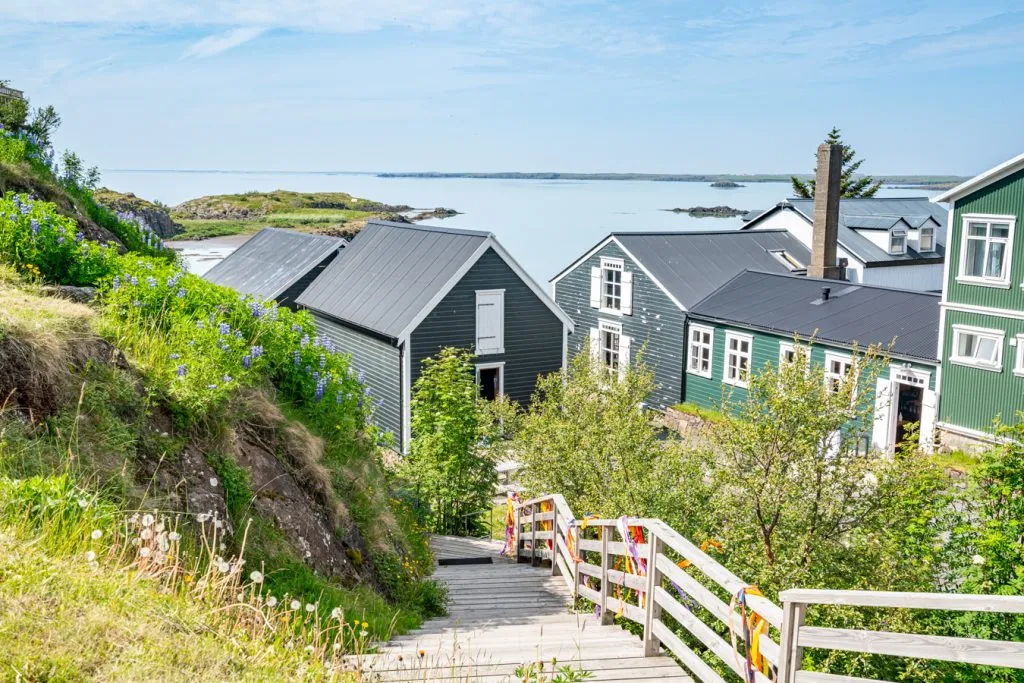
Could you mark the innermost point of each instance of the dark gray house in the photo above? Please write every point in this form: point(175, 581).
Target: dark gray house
point(635, 288)
point(276, 264)
point(401, 292)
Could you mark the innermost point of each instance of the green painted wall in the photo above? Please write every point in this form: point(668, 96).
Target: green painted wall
point(1004, 198)
point(972, 397)
point(709, 392)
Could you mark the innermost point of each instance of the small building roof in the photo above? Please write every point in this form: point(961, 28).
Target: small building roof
point(690, 265)
point(865, 314)
point(982, 179)
point(875, 213)
point(272, 260)
point(393, 274)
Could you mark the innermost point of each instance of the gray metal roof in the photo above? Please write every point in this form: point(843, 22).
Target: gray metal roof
point(272, 260)
point(865, 314)
point(876, 213)
point(390, 273)
point(691, 265)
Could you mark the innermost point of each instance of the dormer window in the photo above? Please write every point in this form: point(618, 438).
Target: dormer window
point(897, 242)
point(927, 241)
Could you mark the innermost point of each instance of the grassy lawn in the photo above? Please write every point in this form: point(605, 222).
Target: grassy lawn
point(310, 220)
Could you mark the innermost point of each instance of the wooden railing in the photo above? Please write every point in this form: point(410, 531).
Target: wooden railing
point(645, 581)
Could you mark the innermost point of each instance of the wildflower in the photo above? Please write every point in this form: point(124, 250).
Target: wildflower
point(361, 376)
point(181, 293)
point(135, 281)
point(256, 577)
point(256, 351)
point(144, 551)
point(213, 481)
point(304, 341)
point(295, 604)
point(296, 327)
point(136, 303)
point(336, 613)
point(271, 601)
point(202, 518)
point(310, 607)
point(211, 386)
point(978, 560)
point(321, 385)
point(297, 359)
point(366, 625)
point(309, 648)
point(223, 567)
point(218, 524)
point(224, 328)
point(336, 646)
point(364, 633)
point(226, 379)
point(116, 284)
point(182, 369)
point(240, 597)
point(96, 534)
point(174, 536)
point(238, 334)
point(35, 226)
point(246, 361)
point(147, 520)
point(160, 526)
point(174, 356)
point(90, 556)
point(83, 503)
point(323, 361)
point(146, 534)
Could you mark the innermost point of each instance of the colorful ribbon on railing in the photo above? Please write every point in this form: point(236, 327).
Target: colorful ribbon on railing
point(753, 627)
point(511, 532)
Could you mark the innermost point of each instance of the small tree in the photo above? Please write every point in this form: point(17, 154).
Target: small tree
point(849, 186)
point(447, 462)
point(45, 122)
point(588, 436)
point(13, 111)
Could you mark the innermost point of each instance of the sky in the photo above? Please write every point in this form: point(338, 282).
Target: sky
point(523, 85)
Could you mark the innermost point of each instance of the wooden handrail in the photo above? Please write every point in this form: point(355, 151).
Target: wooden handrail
point(786, 653)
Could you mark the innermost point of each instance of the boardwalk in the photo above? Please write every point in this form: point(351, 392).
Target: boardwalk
point(504, 614)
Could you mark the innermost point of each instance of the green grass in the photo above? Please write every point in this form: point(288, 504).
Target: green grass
point(201, 230)
point(311, 220)
point(956, 460)
point(706, 414)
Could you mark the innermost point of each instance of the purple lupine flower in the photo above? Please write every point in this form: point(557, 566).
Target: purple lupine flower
point(296, 328)
point(35, 226)
point(224, 328)
point(323, 361)
point(246, 361)
point(308, 369)
point(181, 292)
point(361, 376)
point(136, 303)
point(60, 240)
point(172, 281)
point(338, 398)
point(238, 334)
point(211, 386)
point(151, 281)
point(135, 281)
point(226, 378)
point(316, 376)
point(256, 351)
point(321, 385)
point(296, 358)
point(182, 369)
point(116, 284)
point(304, 340)
point(174, 356)
point(256, 308)
point(200, 324)
point(61, 230)
point(224, 346)
point(367, 391)
point(79, 237)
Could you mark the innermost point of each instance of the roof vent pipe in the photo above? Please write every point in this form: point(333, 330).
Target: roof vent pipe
point(825, 292)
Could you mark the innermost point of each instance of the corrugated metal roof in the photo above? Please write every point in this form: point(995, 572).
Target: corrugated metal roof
point(691, 265)
point(873, 213)
point(389, 273)
point(865, 314)
point(272, 260)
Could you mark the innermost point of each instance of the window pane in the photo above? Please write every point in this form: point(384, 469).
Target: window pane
point(975, 261)
point(978, 230)
point(965, 345)
point(1000, 230)
point(986, 350)
point(996, 251)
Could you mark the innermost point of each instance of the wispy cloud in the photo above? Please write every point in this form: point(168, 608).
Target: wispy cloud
point(222, 42)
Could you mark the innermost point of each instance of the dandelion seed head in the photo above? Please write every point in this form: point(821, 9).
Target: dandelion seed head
point(256, 577)
point(96, 534)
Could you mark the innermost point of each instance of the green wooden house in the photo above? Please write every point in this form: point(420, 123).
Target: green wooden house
point(757, 317)
point(982, 323)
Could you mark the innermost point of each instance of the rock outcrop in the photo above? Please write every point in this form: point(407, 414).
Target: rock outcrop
point(155, 216)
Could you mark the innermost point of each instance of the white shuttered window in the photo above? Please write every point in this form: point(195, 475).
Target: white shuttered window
point(490, 321)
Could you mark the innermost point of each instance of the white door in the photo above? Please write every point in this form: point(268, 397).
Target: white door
point(884, 422)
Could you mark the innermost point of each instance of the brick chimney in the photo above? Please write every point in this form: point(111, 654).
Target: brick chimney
point(825, 234)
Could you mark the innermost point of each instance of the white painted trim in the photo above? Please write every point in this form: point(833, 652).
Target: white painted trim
point(501, 375)
point(488, 243)
point(984, 310)
point(1002, 283)
point(994, 334)
point(576, 264)
point(565, 347)
point(845, 358)
point(405, 419)
point(711, 350)
point(749, 338)
point(982, 179)
point(1018, 343)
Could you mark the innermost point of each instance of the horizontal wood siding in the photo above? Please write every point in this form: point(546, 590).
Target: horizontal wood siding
point(287, 297)
point(656, 322)
point(1003, 198)
point(972, 397)
point(533, 333)
point(381, 365)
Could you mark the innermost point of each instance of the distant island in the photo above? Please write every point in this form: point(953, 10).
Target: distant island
point(931, 182)
point(709, 211)
point(726, 184)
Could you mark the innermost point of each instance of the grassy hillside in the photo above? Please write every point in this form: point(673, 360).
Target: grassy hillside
point(333, 213)
point(164, 441)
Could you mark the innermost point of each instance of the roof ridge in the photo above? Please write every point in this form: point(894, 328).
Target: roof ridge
point(430, 228)
point(807, 278)
point(862, 199)
point(672, 233)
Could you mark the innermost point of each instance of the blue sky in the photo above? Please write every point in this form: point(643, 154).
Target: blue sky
point(529, 85)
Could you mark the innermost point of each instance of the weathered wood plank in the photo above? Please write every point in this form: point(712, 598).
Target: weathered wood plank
point(628, 580)
point(690, 659)
point(941, 648)
point(818, 677)
point(631, 612)
point(1010, 604)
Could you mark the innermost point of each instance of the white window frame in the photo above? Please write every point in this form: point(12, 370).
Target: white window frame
point(1018, 368)
point(603, 326)
point(1002, 282)
point(691, 345)
point(998, 336)
point(501, 322)
point(920, 239)
point(902, 235)
point(829, 375)
point(729, 354)
point(611, 265)
point(500, 366)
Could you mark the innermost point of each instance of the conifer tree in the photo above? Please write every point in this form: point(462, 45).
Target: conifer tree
point(850, 187)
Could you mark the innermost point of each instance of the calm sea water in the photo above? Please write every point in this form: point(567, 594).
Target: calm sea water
point(543, 224)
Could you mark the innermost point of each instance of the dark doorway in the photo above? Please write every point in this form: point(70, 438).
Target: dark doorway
point(908, 409)
point(490, 382)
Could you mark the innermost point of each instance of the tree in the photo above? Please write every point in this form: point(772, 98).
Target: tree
point(849, 186)
point(587, 436)
point(13, 111)
point(447, 462)
point(45, 122)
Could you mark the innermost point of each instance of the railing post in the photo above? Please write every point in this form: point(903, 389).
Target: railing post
point(554, 539)
point(790, 653)
point(652, 645)
point(571, 561)
point(516, 535)
point(606, 616)
point(533, 535)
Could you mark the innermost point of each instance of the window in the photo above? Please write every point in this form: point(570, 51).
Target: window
point(977, 347)
point(490, 378)
point(490, 321)
point(837, 371)
point(737, 359)
point(611, 287)
point(1019, 367)
point(926, 242)
point(611, 336)
point(701, 346)
point(985, 251)
point(898, 242)
point(787, 259)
